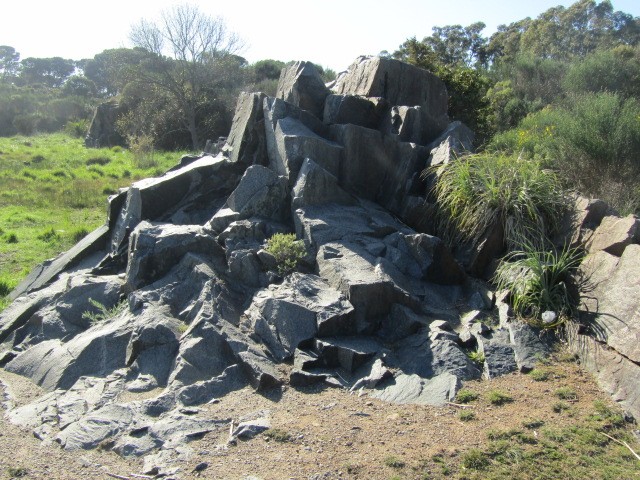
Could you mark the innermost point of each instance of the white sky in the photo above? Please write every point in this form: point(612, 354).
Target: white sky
point(329, 32)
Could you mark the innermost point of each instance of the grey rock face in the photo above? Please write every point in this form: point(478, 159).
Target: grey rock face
point(414, 389)
point(155, 249)
point(285, 315)
point(401, 85)
point(362, 111)
point(609, 304)
point(615, 233)
point(301, 85)
point(246, 142)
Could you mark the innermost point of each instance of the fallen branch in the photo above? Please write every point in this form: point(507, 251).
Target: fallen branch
point(120, 477)
point(141, 476)
point(459, 405)
point(623, 443)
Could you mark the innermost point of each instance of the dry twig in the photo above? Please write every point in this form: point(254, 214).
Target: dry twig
point(623, 443)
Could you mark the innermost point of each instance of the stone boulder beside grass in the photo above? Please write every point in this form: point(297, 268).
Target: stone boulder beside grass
point(179, 291)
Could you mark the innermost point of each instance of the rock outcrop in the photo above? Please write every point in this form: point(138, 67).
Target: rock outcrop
point(177, 292)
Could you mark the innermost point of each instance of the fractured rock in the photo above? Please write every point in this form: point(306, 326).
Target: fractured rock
point(301, 84)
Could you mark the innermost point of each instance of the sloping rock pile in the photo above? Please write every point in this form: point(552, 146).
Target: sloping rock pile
point(176, 291)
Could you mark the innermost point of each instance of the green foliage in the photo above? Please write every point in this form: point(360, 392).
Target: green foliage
point(496, 397)
point(538, 282)
point(566, 393)
point(287, 251)
point(467, 415)
point(559, 407)
point(143, 151)
point(79, 233)
point(539, 375)
point(11, 238)
point(476, 356)
point(592, 141)
point(466, 396)
point(477, 193)
point(277, 435)
point(533, 424)
point(101, 312)
point(78, 128)
point(394, 462)
point(17, 472)
point(49, 235)
point(475, 459)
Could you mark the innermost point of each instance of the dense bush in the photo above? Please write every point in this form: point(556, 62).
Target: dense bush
point(476, 192)
point(287, 251)
point(592, 141)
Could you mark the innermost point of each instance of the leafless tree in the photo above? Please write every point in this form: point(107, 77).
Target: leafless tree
point(188, 49)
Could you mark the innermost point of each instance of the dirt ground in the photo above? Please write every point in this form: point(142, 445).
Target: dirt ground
point(317, 434)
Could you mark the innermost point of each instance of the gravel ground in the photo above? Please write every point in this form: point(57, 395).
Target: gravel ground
point(315, 434)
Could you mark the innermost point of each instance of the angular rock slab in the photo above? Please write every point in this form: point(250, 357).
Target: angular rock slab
point(285, 315)
point(610, 304)
point(260, 193)
point(302, 85)
point(246, 142)
point(155, 249)
point(402, 85)
point(436, 391)
point(615, 233)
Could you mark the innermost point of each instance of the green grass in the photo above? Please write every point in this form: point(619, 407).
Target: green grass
point(538, 281)
point(467, 415)
point(52, 193)
point(539, 375)
point(496, 397)
point(480, 192)
point(394, 462)
point(466, 396)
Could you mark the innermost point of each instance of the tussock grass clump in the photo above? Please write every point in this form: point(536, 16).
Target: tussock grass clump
point(538, 282)
point(466, 396)
point(496, 397)
point(477, 193)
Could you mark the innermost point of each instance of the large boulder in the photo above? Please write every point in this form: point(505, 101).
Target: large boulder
point(260, 193)
point(301, 84)
point(246, 142)
point(102, 131)
point(402, 85)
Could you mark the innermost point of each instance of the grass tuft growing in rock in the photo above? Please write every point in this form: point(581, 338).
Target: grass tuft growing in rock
point(538, 282)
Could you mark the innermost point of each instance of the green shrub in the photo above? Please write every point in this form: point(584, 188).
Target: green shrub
point(102, 312)
point(11, 238)
point(49, 235)
point(467, 415)
point(477, 193)
point(539, 375)
point(566, 393)
point(78, 128)
point(5, 287)
point(538, 282)
point(497, 397)
point(79, 234)
point(476, 356)
point(466, 396)
point(559, 407)
point(143, 150)
point(287, 251)
point(100, 160)
point(277, 435)
point(475, 459)
point(394, 462)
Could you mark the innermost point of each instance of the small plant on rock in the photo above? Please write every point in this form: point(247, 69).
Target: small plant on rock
point(287, 251)
point(476, 356)
point(102, 312)
point(393, 462)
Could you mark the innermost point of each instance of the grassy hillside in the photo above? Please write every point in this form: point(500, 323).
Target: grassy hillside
point(53, 191)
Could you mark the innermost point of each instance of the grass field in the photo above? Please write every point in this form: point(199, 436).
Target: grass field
point(53, 191)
